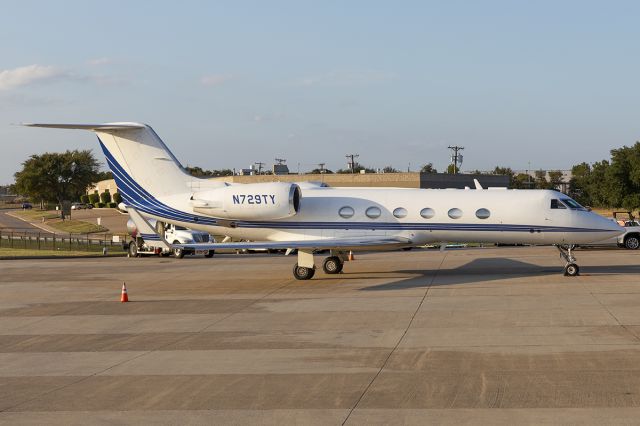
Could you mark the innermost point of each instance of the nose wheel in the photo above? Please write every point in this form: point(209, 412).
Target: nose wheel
point(571, 268)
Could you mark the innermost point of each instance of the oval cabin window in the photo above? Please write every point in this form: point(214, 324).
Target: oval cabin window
point(427, 213)
point(346, 212)
point(455, 213)
point(373, 212)
point(400, 212)
point(483, 213)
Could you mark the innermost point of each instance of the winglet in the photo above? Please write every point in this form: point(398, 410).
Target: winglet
point(478, 186)
point(145, 230)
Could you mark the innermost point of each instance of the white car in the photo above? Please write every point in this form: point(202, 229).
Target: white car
point(80, 206)
point(631, 237)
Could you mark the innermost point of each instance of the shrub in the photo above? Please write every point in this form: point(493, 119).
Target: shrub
point(113, 205)
point(105, 197)
point(94, 198)
point(100, 205)
point(84, 199)
point(117, 198)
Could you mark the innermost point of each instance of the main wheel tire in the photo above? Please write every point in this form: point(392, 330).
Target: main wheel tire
point(632, 242)
point(303, 273)
point(178, 252)
point(133, 250)
point(332, 265)
point(210, 253)
point(571, 270)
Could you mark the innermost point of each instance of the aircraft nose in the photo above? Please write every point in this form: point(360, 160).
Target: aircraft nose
point(613, 228)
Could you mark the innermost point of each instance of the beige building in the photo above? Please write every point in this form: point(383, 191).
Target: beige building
point(395, 180)
point(101, 186)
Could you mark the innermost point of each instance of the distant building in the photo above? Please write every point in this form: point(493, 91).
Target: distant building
point(398, 180)
point(101, 186)
point(566, 177)
point(280, 169)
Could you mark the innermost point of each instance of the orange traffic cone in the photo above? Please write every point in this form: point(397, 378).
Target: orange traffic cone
point(351, 256)
point(123, 296)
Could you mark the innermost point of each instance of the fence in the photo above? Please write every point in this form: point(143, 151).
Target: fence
point(35, 240)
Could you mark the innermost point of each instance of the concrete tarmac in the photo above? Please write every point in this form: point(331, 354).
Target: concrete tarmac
point(473, 336)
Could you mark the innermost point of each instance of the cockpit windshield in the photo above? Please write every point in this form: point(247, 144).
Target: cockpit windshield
point(565, 203)
point(573, 204)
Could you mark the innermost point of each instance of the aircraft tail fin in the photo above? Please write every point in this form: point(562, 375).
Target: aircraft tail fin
point(142, 165)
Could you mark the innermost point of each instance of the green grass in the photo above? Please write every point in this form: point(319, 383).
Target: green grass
point(16, 252)
point(76, 226)
point(36, 215)
point(53, 221)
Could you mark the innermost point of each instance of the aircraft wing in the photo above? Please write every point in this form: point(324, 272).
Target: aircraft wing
point(147, 232)
point(322, 244)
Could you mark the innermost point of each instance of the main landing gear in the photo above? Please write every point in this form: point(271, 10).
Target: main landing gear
point(305, 269)
point(571, 269)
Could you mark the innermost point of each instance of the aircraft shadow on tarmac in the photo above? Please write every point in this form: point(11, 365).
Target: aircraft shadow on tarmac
point(492, 270)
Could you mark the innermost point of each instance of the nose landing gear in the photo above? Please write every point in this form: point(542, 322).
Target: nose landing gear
point(571, 268)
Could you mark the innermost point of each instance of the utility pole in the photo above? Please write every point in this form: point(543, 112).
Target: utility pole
point(351, 161)
point(259, 164)
point(456, 158)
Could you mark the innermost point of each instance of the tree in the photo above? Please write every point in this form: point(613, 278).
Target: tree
point(105, 197)
point(622, 179)
point(555, 179)
point(94, 198)
point(104, 176)
point(521, 181)
point(201, 173)
point(428, 168)
point(357, 169)
point(318, 171)
point(451, 169)
point(117, 198)
point(389, 169)
point(55, 177)
point(541, 179)
point(579, 183)
point(505, 171)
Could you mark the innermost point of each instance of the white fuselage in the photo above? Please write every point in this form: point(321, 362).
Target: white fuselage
point(514, 216)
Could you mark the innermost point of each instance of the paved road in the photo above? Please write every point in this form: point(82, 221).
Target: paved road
point(484, 336)
point(9, 222)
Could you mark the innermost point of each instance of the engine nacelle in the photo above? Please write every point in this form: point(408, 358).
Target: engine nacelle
point(251, 201)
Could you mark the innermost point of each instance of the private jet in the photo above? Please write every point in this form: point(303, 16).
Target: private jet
point(309, 217)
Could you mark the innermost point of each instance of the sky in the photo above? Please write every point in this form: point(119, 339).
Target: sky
point(523, 84)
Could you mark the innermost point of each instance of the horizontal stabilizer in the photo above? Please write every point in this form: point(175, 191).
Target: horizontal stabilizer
point(97, 127)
